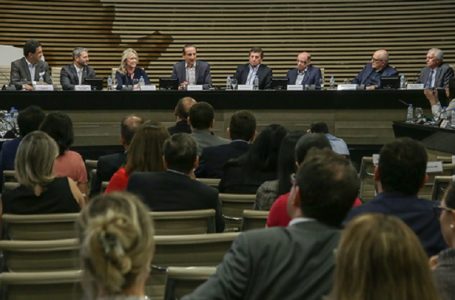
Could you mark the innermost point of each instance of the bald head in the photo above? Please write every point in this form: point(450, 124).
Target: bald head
point(183, 106)
point(380, 59)
point(128, 127)
point(303, 60)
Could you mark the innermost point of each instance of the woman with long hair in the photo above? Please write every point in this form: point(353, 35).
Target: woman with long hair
point(129, 73)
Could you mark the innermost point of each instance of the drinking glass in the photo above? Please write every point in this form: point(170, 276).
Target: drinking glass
point(234, 83)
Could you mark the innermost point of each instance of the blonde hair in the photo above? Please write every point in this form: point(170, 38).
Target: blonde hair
point(35, 159)
point(380, 257)
point(127, 53)
point(117, 245)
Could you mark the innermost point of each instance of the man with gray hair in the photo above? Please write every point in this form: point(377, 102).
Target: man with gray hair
point(436, 73)
point(76, 73)
point(370, 76)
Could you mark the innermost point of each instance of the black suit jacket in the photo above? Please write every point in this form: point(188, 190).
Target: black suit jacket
point(214, 158)
point(106, 167)
point(203, 75)
point(295, 262)
point(169, 191)
point(20, 74)
point(181, 126)
point(312, 76)
point(69, 78)
point(264, 74)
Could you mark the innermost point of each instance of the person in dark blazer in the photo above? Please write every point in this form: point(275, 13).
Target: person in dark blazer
point(305, 73)
point(294, 262)
point(246, 73)
point(371, 74)
point(176, 188)
point(242, 130)
point(436, 74)
point(109, 164)
point(30, 68)
point(76, 73)
point(192, 71)
point(129, 73)
point(182, 112)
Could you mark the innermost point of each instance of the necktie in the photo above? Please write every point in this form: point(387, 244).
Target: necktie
point(429, 83)
point(79, 75)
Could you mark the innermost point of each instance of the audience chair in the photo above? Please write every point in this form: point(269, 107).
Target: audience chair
point(444, 159)
point(55, 74)
point(181, 281)
point(254, 219)
point(41, 285)
point(440, 185)
point(213, 182)
point(366, 175)
point(184, 222)
point(37, 256)
point(90, 166)
point(426, 191)
point(40, 226)
point(104, 185)
point(9, 186)
point(9, 176)
point(233, 206)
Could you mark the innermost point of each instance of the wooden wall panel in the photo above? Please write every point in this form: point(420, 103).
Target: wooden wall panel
point(341, 35)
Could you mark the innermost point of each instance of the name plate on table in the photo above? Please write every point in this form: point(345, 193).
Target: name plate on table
point(375, 159)
point(414, 86)
point(150, 87)
point(44, 87)
point(347, 87)
point(434, 166)
point(83, 87)
point(194, 87)
point(245, 87)
point(294, 87)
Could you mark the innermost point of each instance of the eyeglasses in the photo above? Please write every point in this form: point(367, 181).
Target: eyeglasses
point(303, 62)
point(448, 209)
point(376, 59)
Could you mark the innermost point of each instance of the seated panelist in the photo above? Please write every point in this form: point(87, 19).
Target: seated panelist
point(371, 74)
point(305, 73)
point(246, 73)
point(129, 73)
point(76, 73)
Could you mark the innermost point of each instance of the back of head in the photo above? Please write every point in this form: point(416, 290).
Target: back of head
point(286, 161)
point(402, 166)
point(180, 152)
point(30, 119)
point(384, 260)
point(59, 127)
point(146, 149)
point(242, 126)
point(328, 186)
point(35, 159)
point(182, 109)
point(201, 115)
point(319, 127)
point(128, 127)
point(308, 141)
point(117, 246)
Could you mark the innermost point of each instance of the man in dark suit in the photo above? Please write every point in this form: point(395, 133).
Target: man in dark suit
point(192, 71)
point(242, 130)
point(371, 74)
point(176, 188)
point(181, 112)
point(305, 73)
point(30, 68)
point(400, 174)
point(294, 262)
point(78, 71)
point(436, 74)
point(246, 73)
point(109, 164)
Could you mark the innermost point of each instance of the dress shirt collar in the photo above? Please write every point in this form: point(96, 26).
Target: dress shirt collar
point(254, 69)
point(29, 64)
point(300, 220)
point(240, 141)
point(303, 71)
point(194, 65)
point(176, 172)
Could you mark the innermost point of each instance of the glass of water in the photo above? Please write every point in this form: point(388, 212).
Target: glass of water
point(418, 113)
point(234, 83)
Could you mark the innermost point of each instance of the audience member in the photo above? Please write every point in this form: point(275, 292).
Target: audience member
point(28, 120)
point(107, 165)
point(30, 68)
point(243, 175)
point(371, 74)
point(76, 73)
point(436, 73)
point(399, 177)
point(246, 73)
point(68, 163)
point(305, 73)
point(117, 247)
point(268, 192)
point(181, 112)
point(295, 262)
point(129, 73)
point(241, 131)
point(443, 264)
point(144, 155)
point(39, 191)
point(379, 257)
point(433, 98)
point(202, 118)
point(280, 214)
point(175, 189)
point(338, 145)
point(189, 71)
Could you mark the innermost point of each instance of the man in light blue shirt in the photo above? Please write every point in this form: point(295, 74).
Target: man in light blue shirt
point(338, 145)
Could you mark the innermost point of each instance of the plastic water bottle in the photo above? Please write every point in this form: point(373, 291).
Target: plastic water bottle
point(410, 114)
point(13, 113)
point(228, 83)
point(41, 79)
point(256, 83)
point(109, 83)
point(332, 82)
point(141, 82)
point(321, 82)
point(403, 82)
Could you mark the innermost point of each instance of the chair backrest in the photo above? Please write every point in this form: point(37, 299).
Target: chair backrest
point(440, 185)
point(9, 176)
point(444, 158)
point(181, 281)
point(184, 222)
point(104, 185)
point(213, 182)
point(426, 191)
point(10, 185)
point(366, 175)
point(36, 256)
point(40, 227)
point(5, 72)
point(233, 206)
point(254, 219)
point(41, 285)
point(55, 74)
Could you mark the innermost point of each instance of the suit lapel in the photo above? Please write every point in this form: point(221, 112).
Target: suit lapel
point(27, 71)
